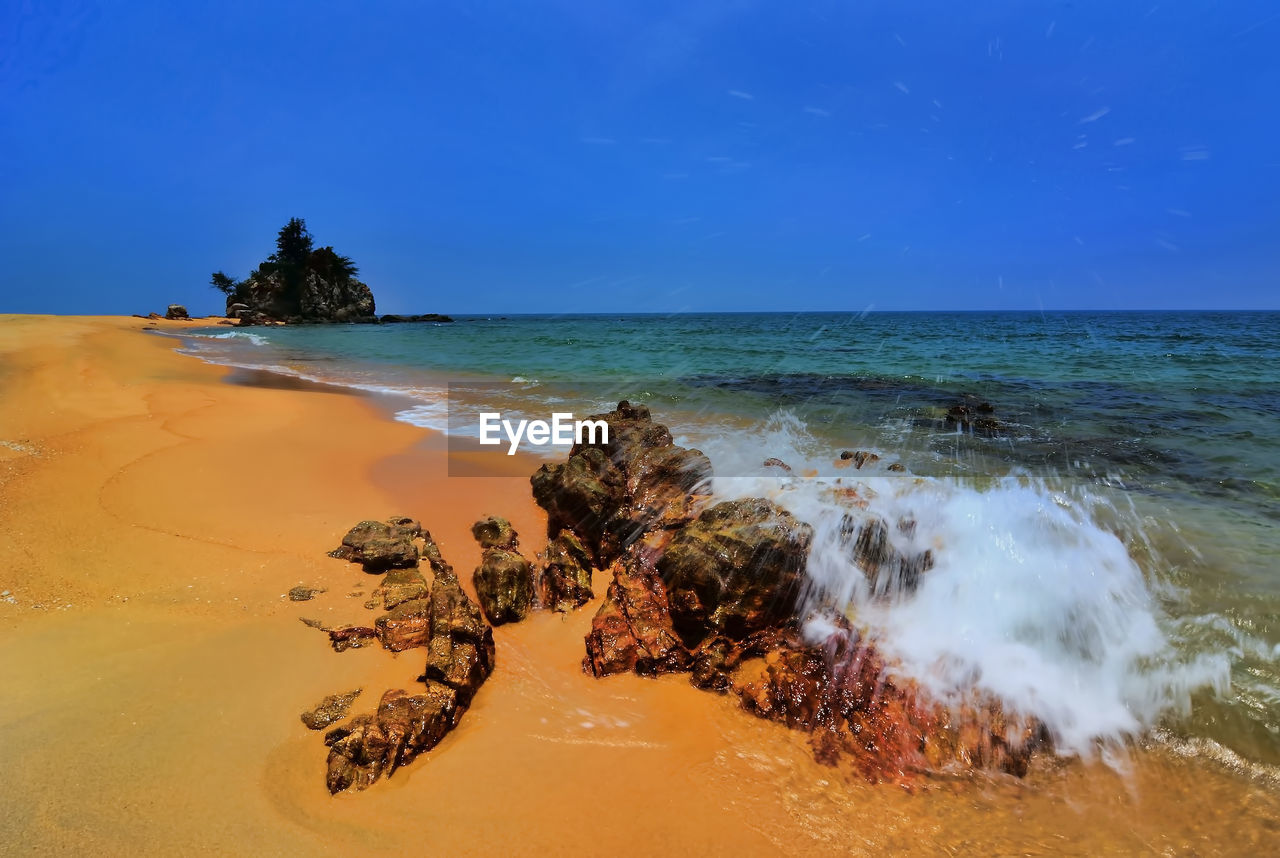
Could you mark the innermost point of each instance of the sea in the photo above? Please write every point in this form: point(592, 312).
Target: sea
point(1100, 491)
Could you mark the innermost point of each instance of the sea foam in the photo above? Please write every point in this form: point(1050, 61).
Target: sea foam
point(1030, 599)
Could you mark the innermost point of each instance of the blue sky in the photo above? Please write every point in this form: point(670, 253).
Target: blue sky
point(659, 156)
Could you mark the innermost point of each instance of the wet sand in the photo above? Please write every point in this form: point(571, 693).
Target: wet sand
point(152, 516)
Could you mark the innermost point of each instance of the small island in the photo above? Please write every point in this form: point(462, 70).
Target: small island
point(302, 283)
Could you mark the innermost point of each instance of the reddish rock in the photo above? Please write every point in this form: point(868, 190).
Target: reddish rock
point(351, 637)
point(632, 630)
point(406, 626)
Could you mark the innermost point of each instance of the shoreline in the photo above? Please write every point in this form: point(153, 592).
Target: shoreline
point(170, 508)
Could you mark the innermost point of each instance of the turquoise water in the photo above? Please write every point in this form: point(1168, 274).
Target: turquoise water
point(1160, 428)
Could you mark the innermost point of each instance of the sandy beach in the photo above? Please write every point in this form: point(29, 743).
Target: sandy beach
point(152, 518)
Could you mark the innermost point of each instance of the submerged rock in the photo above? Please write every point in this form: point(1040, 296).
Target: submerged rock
point(889, 570)
point(975, 416)
point(563, 580)
point(330, 710)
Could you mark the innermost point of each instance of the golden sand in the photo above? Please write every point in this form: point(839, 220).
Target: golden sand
point(152, 518)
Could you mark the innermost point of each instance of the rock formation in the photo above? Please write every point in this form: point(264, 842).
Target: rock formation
point(440, 618)
point(713, 591)
point(504, 578)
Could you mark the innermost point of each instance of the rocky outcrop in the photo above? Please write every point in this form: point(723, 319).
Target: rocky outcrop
point(609, 493)
point(404, 726)
point(459, 658)
point(504, 585)
point(176, 311)
point(380, 546)
point(714, 592)
point(400, 586)
point(317, 298)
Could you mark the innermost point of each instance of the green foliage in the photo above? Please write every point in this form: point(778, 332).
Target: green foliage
point(332, 266)
point(293, 244)
point(283, 273)
point(224, 284)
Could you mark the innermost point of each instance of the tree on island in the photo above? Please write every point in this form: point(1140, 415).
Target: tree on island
point(298, 282)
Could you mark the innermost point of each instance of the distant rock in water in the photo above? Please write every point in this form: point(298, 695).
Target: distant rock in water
point(302, 283)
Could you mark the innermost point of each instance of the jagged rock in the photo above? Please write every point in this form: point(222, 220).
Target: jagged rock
point(406, 626)
point(302, 593)
point(460, 657)
point(378, 546)
point(351, 637)
point(888, 569)
point(610, 493)
point(504, 585)
point(735, 570)
point(235, 309)
point(632, 631)
point(329, 711)
point(403, 727)
point(494, 532)
point(461, 651)
point(897, 467)
point(176, 311)
point(840, 693)
point(563, 581)
point(777, 463)
point(400, 586)
point(403, 525)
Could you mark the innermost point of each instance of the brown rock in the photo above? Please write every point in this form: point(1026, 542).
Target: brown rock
point(400, 586)
point(494, 532)
point(351, 637)
point(735, 570)
point(378, 547)
point(406, 626)
point(504, 585)
point(610, 493)
point(563, 581)
point(632, 631)
point(330, 710)
point(403, 727)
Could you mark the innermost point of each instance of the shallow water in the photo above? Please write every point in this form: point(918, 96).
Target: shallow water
point(1125, 579)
